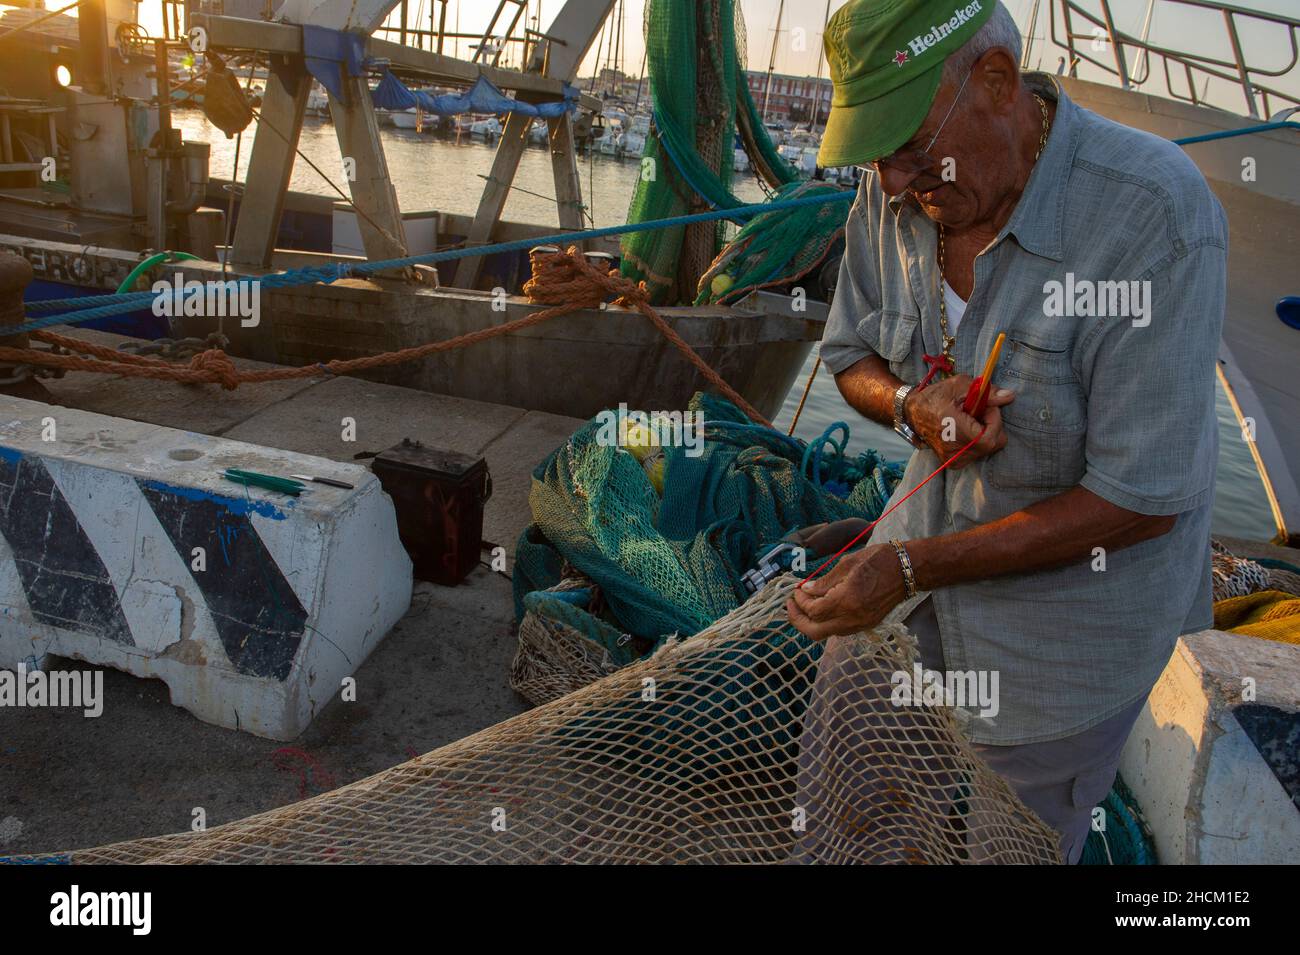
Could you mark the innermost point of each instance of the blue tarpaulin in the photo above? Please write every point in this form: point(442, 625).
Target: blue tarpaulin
point(326, 50)
point(482, 97)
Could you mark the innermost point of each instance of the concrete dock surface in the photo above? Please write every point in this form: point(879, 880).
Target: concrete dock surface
point(144, 766)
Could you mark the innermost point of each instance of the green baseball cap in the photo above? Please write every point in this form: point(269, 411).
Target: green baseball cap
point(886, 59)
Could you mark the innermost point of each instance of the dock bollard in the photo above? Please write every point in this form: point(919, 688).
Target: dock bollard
point(540, 256)
point(15, 276)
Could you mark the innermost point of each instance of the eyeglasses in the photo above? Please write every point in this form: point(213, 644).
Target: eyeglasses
point(913, 161)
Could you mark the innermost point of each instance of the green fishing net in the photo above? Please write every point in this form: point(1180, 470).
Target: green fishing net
point(701, 101)
point(775, 248)
point(672, 563)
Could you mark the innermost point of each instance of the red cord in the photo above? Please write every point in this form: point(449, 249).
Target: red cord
point(867, 530)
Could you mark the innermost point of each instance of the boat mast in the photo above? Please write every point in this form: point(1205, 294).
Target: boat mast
point(771, 63)
point(640, 81)
point(817, 86)
point(618, 47)
point(1029, 36)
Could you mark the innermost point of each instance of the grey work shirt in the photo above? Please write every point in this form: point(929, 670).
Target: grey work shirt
point(1122, 405)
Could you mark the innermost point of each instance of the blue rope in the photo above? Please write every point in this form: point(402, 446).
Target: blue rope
point(1230, 133)
point(813, 453)
point(93, 307)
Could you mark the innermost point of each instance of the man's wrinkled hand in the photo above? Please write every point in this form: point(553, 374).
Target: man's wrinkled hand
point(936, 415)
point(856, 595)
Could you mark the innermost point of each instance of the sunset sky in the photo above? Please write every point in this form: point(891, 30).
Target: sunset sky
point(1173, 24)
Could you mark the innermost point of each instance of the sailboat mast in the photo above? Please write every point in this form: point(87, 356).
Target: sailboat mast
point(1029, 36)
point(821, 59)
point(640, 81)
point(771, 62)
point(618, 47)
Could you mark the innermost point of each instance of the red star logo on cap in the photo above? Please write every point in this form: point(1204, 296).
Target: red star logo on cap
point(900, 57)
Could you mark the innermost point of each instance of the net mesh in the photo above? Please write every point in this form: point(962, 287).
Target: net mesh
point(742, 744)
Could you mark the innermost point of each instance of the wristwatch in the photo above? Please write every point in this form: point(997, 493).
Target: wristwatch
point(901, 427)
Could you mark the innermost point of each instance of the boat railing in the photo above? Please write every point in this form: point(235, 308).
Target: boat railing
point(487, 46)
point(1101, 37)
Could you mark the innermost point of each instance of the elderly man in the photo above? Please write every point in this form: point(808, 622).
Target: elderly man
point(1068, 547)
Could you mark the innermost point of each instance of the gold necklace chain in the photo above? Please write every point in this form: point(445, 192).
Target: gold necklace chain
point(949, 341)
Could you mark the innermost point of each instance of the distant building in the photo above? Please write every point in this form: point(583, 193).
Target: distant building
point(793, 98)
point(612, 79)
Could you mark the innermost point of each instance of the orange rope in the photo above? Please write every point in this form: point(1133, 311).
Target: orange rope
point(806, 389)
point(565, 281)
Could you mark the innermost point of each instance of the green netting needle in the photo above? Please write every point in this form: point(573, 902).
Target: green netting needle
point(267, 481)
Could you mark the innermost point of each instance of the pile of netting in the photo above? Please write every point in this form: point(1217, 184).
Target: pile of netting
point(633, 545)
point(701, 752)
point(695, 62)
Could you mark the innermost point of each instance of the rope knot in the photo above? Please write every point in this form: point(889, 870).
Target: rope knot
point(570, 278)
point(219, 365)
point(569, 281)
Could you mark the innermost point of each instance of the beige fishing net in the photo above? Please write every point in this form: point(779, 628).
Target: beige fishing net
point(718, 748)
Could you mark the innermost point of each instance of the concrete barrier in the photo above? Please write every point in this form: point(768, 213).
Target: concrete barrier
point(1195, 761)
point(122, 544)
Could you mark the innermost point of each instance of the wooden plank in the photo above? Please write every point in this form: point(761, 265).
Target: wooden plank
point(576, 28)
point(271, 166)
point(568, 181)
point(495, 193)
point(378, 215)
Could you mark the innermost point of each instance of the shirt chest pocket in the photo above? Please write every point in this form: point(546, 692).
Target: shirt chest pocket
point(1046, 425)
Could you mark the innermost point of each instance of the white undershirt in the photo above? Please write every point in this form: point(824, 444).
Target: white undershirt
point(956, 307)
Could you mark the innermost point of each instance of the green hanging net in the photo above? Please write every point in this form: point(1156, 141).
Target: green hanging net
point(701, 102)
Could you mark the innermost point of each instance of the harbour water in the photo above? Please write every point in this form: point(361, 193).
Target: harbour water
point(433, 173)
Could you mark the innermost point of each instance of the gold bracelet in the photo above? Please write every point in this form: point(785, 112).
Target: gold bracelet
point(909, 576)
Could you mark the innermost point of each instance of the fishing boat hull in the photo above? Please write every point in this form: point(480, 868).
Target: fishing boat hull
point(407, 119)
point(1254, 178)
point(573, 365)
point(1208, 769)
